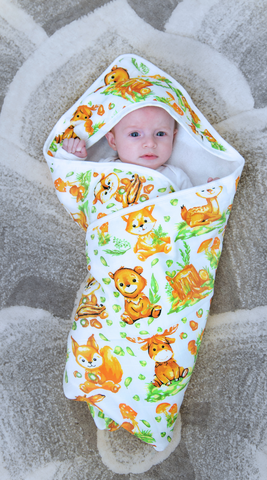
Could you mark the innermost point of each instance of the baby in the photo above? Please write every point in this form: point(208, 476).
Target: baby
point(143, 137)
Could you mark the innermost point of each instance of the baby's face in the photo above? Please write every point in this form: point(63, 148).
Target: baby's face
point(144, 137)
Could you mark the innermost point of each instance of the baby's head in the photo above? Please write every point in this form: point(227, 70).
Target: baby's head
point(144, 137)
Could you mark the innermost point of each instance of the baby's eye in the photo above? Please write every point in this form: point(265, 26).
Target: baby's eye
point(134, 134)
point(160, 134)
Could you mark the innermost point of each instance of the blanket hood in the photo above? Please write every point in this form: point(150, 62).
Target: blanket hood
point(129, 83)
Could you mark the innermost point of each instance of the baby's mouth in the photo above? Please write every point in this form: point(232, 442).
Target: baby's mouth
point(149, 156)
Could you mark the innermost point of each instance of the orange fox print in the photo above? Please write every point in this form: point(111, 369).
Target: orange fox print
point(83, 114)
point(103, 370)
point(199, 216)
point(130, 283)
point(142, 223)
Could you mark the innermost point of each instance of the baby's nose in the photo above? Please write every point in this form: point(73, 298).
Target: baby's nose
point(150, 141)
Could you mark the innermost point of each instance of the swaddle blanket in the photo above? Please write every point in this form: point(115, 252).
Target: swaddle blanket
point(152, 252)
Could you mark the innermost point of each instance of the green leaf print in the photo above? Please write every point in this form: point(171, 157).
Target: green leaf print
point(218, 146)
point(158, 234)
point(155, 394)
point(103, 337)
point(104, 262)
point(153, 291)
point(129, 350)
point(147, 424)
point(185, 256)
point(128, 381)
point(84, 179)
point(116, 308)
point(146, 436)
point(91, 408)
point(103, 238)
point(142, 68)
point(121, 247)
point(213, 258)
point(54, 146)
point(119, 351)
point(96, 128)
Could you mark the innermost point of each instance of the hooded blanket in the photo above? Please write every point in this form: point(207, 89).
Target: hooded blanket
point(152, 252)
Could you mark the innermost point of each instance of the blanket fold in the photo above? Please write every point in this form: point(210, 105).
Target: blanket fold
point(152, 252)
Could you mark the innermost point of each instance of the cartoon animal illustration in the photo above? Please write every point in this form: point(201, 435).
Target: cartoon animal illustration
point(117, 74)
point(81, 115)
point(88, 307)
point(68, 133)
point(131, 87)
point(187, 284)
point(106, 188)
point(160, 350)
point(80, 219)
point(142, 223)
point(198, 216)
point(129, 190)
point(92, 285)
point(103, 370)
point(126, 191)
point(130, 284)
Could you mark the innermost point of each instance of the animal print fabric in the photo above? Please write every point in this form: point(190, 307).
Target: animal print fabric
point(152, 255)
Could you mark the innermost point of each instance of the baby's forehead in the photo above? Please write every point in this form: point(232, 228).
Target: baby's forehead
point(147, 113)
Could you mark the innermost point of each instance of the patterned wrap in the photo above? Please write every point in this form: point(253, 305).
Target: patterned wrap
point(152, 255)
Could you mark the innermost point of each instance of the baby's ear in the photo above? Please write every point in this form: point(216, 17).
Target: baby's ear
point(175, 132)
point(111, 140)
